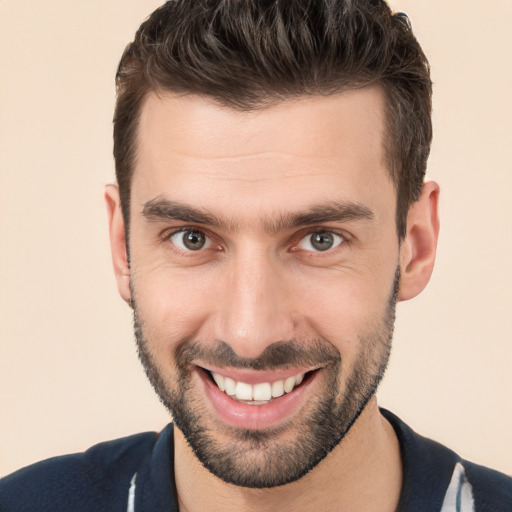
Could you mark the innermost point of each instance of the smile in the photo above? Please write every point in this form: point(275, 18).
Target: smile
point(254, 399)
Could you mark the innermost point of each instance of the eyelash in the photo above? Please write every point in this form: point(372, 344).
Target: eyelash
point(345, 239)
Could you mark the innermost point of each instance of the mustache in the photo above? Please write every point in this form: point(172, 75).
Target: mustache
point(278, 355)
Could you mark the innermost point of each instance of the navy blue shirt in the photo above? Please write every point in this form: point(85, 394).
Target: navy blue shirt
point(136, 474)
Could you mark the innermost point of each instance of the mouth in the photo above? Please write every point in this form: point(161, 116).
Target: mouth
point(253, 399)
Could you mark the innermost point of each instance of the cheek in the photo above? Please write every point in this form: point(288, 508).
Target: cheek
point(346, 307)
point(172, 303)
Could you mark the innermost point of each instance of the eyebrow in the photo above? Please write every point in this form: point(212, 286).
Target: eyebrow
point(161, 209)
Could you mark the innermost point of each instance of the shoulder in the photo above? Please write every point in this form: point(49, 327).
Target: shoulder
point(436, 478)
point(97, 479)
point(492, 490)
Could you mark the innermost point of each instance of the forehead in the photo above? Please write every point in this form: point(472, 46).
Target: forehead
point(290, 152)
point(344, 118)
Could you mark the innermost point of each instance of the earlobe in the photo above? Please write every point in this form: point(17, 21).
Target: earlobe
point(118, 241)
point(418, 249)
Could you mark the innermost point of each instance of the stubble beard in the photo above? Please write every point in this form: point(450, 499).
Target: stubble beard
point(275, 456)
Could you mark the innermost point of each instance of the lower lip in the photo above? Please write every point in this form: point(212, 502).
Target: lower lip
point(255, 417)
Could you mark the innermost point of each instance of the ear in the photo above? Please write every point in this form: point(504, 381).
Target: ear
point(418, 249)
point(118, 241)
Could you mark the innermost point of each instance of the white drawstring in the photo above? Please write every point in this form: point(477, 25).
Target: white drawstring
point(459, 495)
point(131, 495)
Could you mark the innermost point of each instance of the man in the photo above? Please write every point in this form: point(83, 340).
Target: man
point(270, 210)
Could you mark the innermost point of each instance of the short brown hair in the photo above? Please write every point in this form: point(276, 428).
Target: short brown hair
point(249, 54)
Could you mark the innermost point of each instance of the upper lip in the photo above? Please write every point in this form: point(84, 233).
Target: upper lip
point(255, 376)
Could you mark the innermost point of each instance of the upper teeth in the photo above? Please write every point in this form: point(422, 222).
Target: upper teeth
point(261, 392)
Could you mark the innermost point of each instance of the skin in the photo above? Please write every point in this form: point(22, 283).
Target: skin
point(254, 286)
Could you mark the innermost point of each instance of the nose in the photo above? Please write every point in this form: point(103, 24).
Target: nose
point(256, 305)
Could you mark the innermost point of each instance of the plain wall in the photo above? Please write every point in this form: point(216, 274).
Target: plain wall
point(69, 375)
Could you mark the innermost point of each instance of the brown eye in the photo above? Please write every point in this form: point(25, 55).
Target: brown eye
point(320, 241)
point(190, 240)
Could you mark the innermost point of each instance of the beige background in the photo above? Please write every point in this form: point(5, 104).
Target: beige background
point(69, 376)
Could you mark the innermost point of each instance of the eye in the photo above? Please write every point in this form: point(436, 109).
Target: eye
point(190, 240)
point(320, 241)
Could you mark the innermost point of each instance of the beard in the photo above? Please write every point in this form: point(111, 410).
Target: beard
point(281, 455)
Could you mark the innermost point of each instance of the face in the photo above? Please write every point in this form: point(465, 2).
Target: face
point(264, 261)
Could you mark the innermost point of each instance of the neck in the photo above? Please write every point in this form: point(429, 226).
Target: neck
point(363, 473)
